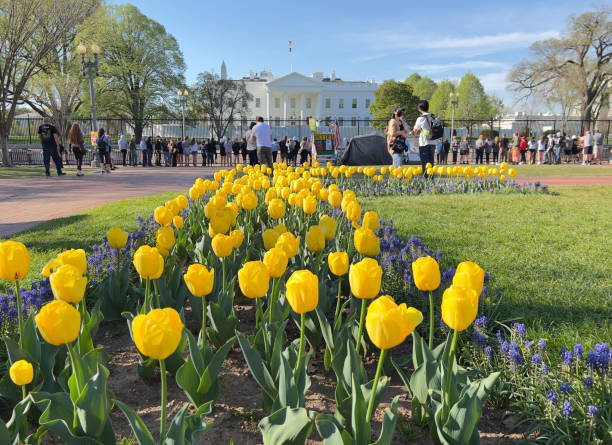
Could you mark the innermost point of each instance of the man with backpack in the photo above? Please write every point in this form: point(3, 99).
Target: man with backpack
point(49, 139)
point(428, 128)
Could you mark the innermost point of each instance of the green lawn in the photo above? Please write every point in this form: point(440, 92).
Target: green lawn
point(83, 229)
point(563, 170)
point(31, 172)
point(549, 254)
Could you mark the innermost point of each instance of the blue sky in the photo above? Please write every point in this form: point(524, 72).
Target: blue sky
point(362, 39)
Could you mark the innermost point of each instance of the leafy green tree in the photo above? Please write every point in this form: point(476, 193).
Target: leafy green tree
point(389, 94)
point(424, 88)
point(474, 103)
point(141, 64)
point(440, 100)
point(29, 31)
point(412, 79)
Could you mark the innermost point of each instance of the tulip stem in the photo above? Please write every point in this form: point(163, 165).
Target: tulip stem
point(223, 272)
point(19, 313)
point(337, 302)
point(361, 319)
point(431, 320)
point(23, 392)
point(162, 419)
point(204, 324)
point(449, 375)
point(298, 367)
point(156, 293)
point(147, 292)
point(74, 366)
point(271, 301)
point(370, 410)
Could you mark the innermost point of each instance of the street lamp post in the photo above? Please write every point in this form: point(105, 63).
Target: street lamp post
point(91, 67)
point(182, 104)
point(454, 100)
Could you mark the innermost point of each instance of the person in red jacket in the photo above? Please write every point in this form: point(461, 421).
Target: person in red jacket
point(523, 148)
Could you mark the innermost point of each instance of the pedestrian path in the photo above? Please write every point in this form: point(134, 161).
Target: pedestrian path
point(25, 202)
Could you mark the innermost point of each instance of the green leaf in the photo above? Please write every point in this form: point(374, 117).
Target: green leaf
point(4, 434)
point(287, 426)
point(288, 396)
point(326, 329)
point(330, 430)
point(93, 405)
point(188, 380)
point(388, 424)
point(383, 384)
point(209, 377)
point(361, 429)
point(401, 374)
point(142, 433)
point(182, 429)
point(256, 365)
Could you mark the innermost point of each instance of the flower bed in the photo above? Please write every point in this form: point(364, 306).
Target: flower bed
point(289, 242)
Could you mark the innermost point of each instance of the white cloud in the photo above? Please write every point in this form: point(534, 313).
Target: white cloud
point(494, 82)
point(433, 68)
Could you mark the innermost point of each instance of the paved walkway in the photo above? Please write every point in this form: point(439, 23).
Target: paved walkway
point(29, 201)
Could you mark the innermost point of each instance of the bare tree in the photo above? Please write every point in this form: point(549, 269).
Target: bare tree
point(29, 30)
point(581, 58)
point(222, 101)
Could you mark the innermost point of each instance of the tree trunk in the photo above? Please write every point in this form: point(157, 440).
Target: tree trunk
point(138, 127)
point(6, 156)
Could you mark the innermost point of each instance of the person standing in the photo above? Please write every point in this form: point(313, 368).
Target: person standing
point(133, 153)
point(262, 135)
point(445, 150)
point(194, 153)
point(464, 151)
point(455, 148)
point(597, 146)
point(503, 150)
point(516, 142)
point(523, 149)
point(422, 128)
point(149, 152)
point(251, 145)
point(123, 146)
point(236, 151)
point(541, 149)
point(532, 146)
point(203, 151)
point(142, 147)
point(588, 148)
point(305, 150)
point(49, 139)
point(103, 145)
point(439, 151)
point(397, 131)
point(283, 149)
point(166, 152)
point(495, 149)
point(158, 151)
point(479, 149)
point(275, 148)
point(76, 143)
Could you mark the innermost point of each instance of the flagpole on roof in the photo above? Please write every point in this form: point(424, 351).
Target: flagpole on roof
point(291, 55)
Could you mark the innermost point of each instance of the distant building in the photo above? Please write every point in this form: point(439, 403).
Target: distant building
point(294, 97)
point(223, 70)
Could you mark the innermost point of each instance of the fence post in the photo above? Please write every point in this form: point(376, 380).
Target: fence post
point(608, 133)
point(358, 133)
point(29, 130)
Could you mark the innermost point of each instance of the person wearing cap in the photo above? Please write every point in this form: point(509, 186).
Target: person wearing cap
point(49, 139)
point(422, 128)
point(397, 131)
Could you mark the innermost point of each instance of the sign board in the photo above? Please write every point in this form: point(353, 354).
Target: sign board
point(324, 144)
point(94, 138)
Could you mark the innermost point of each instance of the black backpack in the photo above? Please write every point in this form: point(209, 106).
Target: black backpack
point(436, 129)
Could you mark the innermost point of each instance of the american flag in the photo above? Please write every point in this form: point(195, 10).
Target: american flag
point(337, 139)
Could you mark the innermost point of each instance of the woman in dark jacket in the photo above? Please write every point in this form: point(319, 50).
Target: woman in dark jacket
point(211, 151)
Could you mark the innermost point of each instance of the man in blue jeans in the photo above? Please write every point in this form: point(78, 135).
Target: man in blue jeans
point(422, 128)
point(49, 139)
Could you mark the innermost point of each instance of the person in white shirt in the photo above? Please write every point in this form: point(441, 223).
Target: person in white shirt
point(422, 128)
point(227, 147)
point(275, 148)
point(142, 147)
point(251, 144)
point(262, 135)
point(194, 148)
point(123, 146)
point(588, 148)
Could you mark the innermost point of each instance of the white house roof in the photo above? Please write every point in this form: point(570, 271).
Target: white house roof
point(293, 79)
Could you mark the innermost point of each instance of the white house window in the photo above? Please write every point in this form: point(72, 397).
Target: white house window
point(257, 102)
point(341, 103)
point(327, 102)
point(292, 102)
point(353, 121)
point(308, 102)
point(354, 104)
point(276, 102)
point(367, 103)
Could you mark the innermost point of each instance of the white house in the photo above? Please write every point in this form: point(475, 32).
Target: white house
point(292, 97)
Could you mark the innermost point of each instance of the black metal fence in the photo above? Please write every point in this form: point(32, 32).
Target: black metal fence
point(24, 130)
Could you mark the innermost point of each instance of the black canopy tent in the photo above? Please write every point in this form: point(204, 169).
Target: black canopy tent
point(367, 150)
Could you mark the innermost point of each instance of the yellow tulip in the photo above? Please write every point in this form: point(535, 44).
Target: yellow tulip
point(199, 280)
point(117, 238)
point(74, 257)
point(222, 245)
point(289, 243)
point(276, 261)
point(335, 198)
point(315, 239)
point(21, 372)
point(328, 225)
point(302, 291)
point(276, 208)
point(249, 201)
point(388, 324)
point(68, 284)
point(371, 221)
point(459, 307)
point(254, 279)
point(366, 242)
point(469, 274)
point(58, 322)
point(280, 229)
point(426, 273)
point(220, 222)
point(512, 172)
point(14, 260)
point(163, 216)
point(237, 238)
point(270, 236)
point(182, 201)
point(353, 211)
point(309, 205)
point(323, 194)
point(158, 333)
point(178, 221)
point(365, 278)
point(50, 267)
point(165, 238)
point(148, 262)
point(338, 263)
